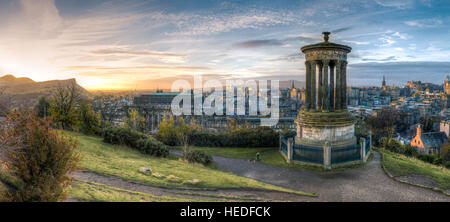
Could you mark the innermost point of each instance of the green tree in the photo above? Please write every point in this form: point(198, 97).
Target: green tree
point(166, 132)
point(427, 123)
point(183, 132)
point(42, 108)
point(89, 120)
point(383, 124)
point(135, 121)
point(40, 158)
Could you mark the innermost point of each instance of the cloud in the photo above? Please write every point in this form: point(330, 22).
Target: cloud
point(390, 37)
point(258, 43)
point(303, 39)
point(274, 42)
point(341, 29)
point(294, 57)
point(208, 23)
point(134, 68)
point(400, 4)
point(170, 57)
point(390, 58)
point(356, 42)
point(424, 23)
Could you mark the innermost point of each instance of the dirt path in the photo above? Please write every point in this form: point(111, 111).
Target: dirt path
point(367, 183)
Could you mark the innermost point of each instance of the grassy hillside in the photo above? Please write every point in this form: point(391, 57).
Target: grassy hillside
point(401, 165)
point(123, 162)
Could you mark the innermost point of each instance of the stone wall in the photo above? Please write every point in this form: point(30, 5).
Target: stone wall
point(332, 134)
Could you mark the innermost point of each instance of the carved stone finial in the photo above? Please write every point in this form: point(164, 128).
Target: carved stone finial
point(326, 36)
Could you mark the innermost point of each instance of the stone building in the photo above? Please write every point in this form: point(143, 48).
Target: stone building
point(325, 129)
point(157, 106)
point(444, 126)
point(154, 107)
point(430, 142)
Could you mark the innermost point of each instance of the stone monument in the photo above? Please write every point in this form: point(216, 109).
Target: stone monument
point(324, 121)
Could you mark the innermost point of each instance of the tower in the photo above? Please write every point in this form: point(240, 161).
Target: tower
point(447, 86)
point(324, 125)
point(383, 84)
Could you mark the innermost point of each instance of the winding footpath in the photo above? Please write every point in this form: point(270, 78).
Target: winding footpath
point(367, 183)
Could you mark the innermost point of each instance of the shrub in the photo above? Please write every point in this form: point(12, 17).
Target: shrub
point(152, 147)
point(136, 140)
point(135, 121)
point(122, 136)
point(198, 156)
point(239, 137)
point(429, 158)
point(394, 145)
point(167, 132)
point(409, 150)
point(438, 160)
point(447, 164)
point(39, 157)
point(89, 121)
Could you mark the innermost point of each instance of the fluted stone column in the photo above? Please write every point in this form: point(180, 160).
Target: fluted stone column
point(320, 88)
point(325, 87)
point(344, 85)
point(308, 87)
point(338, 86)
point(332, 87)
point(313, 85)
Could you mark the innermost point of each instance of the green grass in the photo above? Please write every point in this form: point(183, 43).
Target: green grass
point(124, 162)
point(96, 192)
point(268, 155)
point(401, 165)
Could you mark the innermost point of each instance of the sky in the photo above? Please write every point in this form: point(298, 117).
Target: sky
point(143, 44)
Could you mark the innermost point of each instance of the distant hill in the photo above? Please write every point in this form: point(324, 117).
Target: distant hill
point(25, 92)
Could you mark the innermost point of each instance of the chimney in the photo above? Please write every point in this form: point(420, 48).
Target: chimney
point(419, 130)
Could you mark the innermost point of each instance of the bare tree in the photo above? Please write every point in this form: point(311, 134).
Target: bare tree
point(5, 101)
point(109, 107)
point(63, 103)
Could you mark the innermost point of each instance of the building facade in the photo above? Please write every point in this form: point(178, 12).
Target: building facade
point(429, 143)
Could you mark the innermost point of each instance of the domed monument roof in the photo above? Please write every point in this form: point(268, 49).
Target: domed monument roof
point(326, 45)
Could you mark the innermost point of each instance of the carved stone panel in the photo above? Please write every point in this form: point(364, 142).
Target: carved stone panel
point(326, 54)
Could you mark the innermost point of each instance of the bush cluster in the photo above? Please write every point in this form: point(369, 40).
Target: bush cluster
point(198, 156)
point(431, 158)
point(122, 136)
point(240, 137)
point(152, 147)
point(131, 138)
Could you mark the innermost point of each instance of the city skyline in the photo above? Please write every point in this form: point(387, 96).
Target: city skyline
point(149, 44)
